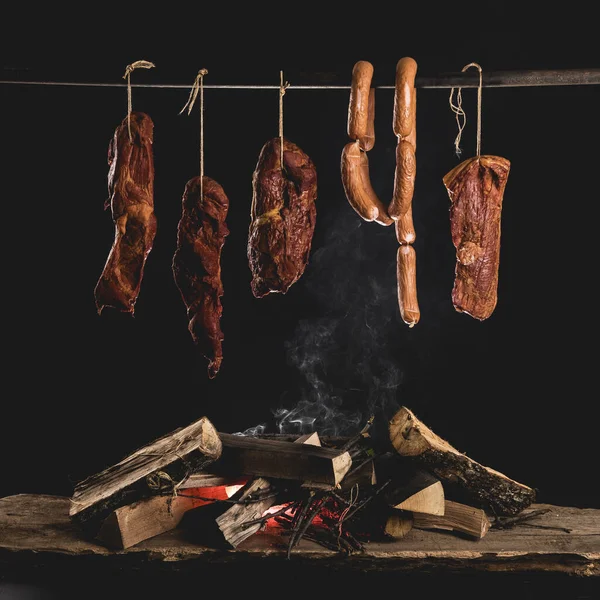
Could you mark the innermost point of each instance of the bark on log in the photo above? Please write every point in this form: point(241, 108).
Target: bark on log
point(497, 492)
point(146, 472)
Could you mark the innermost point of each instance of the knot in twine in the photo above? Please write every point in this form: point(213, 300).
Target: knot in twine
point(138, 64)
point(194, 91)
point(461, 117)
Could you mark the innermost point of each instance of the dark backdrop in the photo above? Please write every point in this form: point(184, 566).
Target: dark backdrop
point(516, 392)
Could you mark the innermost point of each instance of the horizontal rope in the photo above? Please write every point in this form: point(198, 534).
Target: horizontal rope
point(464, 80)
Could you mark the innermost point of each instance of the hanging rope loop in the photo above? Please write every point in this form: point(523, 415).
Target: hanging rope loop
point(138, 64)
point(282, 88)
point(461, 117)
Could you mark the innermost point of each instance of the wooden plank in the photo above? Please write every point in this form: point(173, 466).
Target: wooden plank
point(281, 460)
point(167, 460)
point(500, 494)
point(36, 529)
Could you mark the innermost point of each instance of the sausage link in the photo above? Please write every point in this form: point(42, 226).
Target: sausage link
point(405, 229)
point(357, 185)
point(406, 69)
point(404, 179)
point(360, 113)
point(407, 285)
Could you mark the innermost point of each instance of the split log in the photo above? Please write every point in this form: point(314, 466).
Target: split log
point(420, 492)
point(412, 438)
point(134, 523)
point(471, 521)
point(281, 460)
point(148, 471)
point(398, 524)
point(232, 522)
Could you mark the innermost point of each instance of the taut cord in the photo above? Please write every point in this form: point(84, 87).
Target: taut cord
point(198, 88)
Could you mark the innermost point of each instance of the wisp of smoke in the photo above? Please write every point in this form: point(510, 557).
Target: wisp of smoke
point(345, 368)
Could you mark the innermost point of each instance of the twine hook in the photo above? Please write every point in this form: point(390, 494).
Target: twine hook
point(461, 117)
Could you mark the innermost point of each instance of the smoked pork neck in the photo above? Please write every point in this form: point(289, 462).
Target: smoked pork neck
point(283, 217)
point(201, 235)
point(131, 200)
point(476, 188)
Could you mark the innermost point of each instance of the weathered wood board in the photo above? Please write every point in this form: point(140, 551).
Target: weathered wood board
point(36, 528)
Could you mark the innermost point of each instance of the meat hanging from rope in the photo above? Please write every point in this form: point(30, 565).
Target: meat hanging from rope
point(283, 217)
point(201, 235)
point(476, 189)
point(131, 200)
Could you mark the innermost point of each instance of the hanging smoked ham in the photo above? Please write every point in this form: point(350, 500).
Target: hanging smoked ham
point(131, 201)
point(476, 189)
point(197, 265)
point(201, 234)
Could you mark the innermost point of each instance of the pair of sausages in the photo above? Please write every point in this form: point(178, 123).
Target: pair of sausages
point(355, 170)
point(355, 164)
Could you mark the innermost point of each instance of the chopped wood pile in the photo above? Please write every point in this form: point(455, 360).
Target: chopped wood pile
point(342, 493)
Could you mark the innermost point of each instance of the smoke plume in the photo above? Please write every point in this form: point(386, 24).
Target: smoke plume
point(346, 372)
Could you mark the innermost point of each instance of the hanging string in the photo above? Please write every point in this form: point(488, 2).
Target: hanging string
point(282, 87)
point(138, 64)
point(198, 88)
point(461, 117)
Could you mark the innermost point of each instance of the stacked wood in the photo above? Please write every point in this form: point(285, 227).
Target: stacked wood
point(223, 488)
point(242, 518)
point(494, 490)
point(151, 470)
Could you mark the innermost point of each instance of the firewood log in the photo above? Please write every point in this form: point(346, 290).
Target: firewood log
point(497, 492)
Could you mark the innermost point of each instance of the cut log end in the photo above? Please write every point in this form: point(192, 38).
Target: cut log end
point(209, 442)
point(398, 524)
point(341, 465)
point(429, 500)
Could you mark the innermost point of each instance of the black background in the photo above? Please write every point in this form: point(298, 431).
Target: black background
point(516, 392)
